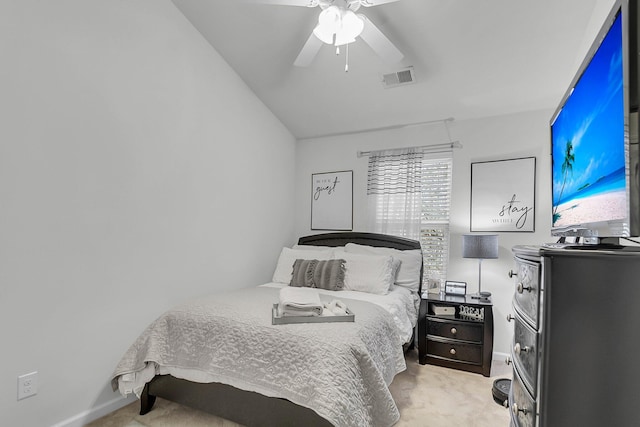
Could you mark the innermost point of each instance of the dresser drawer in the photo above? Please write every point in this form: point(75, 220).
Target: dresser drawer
point(464, 331)
point(525, 352)
point(521, 404)
point(526, 298)
point(455, 351)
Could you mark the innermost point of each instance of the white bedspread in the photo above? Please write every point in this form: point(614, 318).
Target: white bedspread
point(339, 370)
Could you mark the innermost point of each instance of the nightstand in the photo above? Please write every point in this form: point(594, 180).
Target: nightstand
point(456, 332)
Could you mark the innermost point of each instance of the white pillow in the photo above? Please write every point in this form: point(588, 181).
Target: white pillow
point(284, 268)
point(411, 263)
point(368, 273)
point(314, 248)
point(336, 250)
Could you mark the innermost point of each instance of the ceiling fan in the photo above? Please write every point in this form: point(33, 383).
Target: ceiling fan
point(339, 25)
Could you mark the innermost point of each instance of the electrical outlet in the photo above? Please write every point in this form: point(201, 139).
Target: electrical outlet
point(27, 385)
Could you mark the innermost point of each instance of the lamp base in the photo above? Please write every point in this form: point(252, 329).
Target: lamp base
point(483, 295)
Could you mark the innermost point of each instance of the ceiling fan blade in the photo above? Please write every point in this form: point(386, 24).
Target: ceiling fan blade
point(305, 3)
point(309, 51)
point(379, 42)
point(369, 3)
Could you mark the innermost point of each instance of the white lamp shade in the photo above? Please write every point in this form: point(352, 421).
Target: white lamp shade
point(352, 26)
point(482, 246)
point(324, 35)
point(330, 18)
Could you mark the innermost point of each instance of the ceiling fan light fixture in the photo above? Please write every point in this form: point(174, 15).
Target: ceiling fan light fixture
point(350, 28)
point(324, 35)
point(342, 22)
point(330, 19)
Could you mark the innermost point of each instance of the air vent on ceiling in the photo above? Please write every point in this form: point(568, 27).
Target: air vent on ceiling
point(399, 78)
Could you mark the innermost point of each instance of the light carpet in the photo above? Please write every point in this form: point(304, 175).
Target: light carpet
point(427, 396)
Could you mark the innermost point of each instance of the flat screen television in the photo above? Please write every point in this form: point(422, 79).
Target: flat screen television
point(594, 139)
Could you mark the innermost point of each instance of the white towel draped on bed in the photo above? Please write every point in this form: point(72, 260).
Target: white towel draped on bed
point(300, 302)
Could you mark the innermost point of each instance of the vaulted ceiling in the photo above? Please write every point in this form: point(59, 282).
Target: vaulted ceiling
point(470, 58)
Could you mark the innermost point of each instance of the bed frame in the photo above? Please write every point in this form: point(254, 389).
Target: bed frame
point(250, 408)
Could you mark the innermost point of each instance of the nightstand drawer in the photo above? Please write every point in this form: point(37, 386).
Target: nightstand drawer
point(465, 331)
point(453, 350)
point(460, 339)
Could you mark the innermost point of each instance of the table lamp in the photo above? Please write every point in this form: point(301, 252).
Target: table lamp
point(480, 246)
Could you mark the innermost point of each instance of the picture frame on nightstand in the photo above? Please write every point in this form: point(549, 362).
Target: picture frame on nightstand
point(455, 288)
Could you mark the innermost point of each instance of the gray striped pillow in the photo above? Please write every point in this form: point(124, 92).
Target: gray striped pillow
point(325, 274)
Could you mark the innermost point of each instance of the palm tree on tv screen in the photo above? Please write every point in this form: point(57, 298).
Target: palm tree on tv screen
point(567, 167)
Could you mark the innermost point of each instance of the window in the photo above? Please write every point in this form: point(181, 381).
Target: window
point(436, 208)
point(409, 192)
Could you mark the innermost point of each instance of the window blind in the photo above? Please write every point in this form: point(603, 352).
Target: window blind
point(409, 194)
point(394, 183)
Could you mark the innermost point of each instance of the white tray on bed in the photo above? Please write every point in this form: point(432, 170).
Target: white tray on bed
point(277, 319)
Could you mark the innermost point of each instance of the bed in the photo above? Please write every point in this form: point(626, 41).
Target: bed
point(242, 368)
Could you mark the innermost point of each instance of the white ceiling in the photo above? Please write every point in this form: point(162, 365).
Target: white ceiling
point(471, 58)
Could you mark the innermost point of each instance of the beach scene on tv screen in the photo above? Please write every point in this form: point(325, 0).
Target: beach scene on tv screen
point(588, 151)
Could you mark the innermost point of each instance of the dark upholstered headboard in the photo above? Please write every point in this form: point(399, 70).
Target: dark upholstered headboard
point(369, 239)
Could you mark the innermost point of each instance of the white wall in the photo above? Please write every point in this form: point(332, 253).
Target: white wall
point(136, 171)
point(497, 138)
point(493, 138)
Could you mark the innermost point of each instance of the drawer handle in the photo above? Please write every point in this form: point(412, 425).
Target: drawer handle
point(521, 288)
point(510, 317)
point(519, 349)
point(515, 410)
point(454, 331)
point(453, 351)
point(512, 273)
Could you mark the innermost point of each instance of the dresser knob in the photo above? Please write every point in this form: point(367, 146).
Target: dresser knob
point(519, 349)
point(454, 331)
point(521, 288)
point(512, 273)
point(506, 403)
point(510, 317)
point(452, 351)
point(515, 409)
point(507, 360)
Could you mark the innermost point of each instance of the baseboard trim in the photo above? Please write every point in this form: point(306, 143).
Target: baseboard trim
point(99, 411)
point(501, 357)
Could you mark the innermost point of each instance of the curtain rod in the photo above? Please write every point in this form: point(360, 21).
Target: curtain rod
point(428, 122)
point(425, 148)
